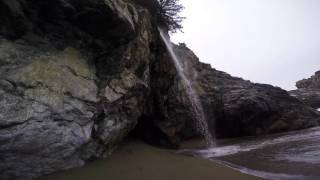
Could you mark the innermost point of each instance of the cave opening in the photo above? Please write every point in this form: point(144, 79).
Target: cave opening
point(147, 131)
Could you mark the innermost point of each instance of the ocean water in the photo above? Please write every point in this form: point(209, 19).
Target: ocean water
point(287, 156)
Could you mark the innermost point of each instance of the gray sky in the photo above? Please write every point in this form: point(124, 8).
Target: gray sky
point(267, 41)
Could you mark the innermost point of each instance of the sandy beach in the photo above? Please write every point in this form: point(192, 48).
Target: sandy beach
point(134, 160)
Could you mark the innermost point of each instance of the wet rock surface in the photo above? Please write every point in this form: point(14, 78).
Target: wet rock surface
point(77, 76)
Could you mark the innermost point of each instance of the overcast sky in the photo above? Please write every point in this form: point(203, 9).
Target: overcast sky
point(267, 41)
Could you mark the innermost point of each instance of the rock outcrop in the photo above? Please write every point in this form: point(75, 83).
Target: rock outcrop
point(312, 83)
point(309, 91)
point(77, 76)
point(234, 107)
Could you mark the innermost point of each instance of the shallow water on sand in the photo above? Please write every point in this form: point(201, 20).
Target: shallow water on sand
point(294, 155)
point(134, 160)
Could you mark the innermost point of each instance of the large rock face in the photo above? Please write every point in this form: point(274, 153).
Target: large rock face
point(77, 76)
point(74, 75)
point(309, 91)
point(234, 107)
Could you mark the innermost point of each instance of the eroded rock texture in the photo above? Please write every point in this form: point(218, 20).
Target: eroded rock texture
point(77, 76)
point(74, 75)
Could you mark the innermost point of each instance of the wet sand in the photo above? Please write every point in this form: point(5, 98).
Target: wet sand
point(134, 160)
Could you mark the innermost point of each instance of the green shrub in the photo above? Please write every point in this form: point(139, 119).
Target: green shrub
point(168, 15)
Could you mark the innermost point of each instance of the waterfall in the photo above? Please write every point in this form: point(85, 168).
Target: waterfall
point(196, 105)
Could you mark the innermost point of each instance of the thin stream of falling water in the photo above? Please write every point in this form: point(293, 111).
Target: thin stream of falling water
point(192, 95)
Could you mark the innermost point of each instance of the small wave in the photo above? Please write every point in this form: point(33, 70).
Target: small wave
point(254, 144)
point(263, 174)
point(306, 153)
point(287, 156)
point(218, 151)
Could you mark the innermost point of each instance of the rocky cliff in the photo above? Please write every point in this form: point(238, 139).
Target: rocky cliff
point(309, 91)
point(77, 76)
point(234, 107)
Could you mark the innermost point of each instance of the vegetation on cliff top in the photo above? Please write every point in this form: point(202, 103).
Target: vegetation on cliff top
point(169, 14)
point(165, 12)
